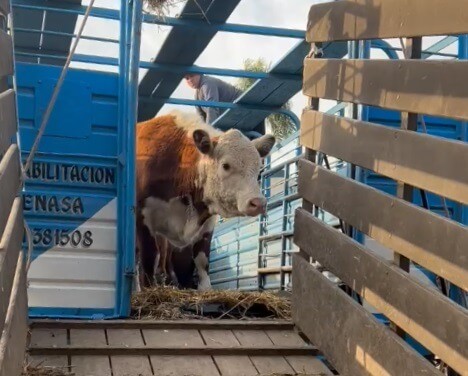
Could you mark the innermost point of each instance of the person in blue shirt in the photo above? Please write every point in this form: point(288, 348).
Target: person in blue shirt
point(213, 89)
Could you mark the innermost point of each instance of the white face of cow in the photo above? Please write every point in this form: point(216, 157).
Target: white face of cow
point(229, 172)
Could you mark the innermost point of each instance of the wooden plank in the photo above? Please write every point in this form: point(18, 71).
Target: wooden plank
point(88, 337)
point(308, 365)
point(429, 239)
point(9, 183)
point(7, 120)
point(133, 363)
point(58, 362)
point(15, 331)
point(228, 365)
point(301, 364)
point(47, 361)
point(184, 365)
point(227, 324)
point(404, 300)
point(431, 87)
point(174, 350)
point(172, 337)
point(4, 7)
point(264, 364)
point(89, 365)
point(10, 246)
point(48, 337)
point(363, 19)
point(349, 336)
point(6, 57)
point(172, 365)
point(391, 152)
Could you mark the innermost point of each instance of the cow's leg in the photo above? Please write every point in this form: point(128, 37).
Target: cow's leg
point(201, 254)
point(136, 286)
point(183, 265)
point(148, 254)
point(161, 272)
point(172, 277)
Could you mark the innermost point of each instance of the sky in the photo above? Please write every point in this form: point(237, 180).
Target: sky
point(226, 50)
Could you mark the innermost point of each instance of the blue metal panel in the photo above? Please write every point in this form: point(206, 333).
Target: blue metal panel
point(79, 196)
point(71, 188)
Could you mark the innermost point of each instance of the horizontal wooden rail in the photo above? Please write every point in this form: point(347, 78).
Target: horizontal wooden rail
point(421, 160)
point(9, 183)
point(6, 57)
point(350, 337)
point(10, 246)
point(404, 300)
point(175, 350)
point(429, 239)
point(374, 19)
point(7, 120)
point(426, 87)
point(162, 324)
point(14, 335)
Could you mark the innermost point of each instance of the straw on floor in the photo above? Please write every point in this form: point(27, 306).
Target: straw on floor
point(169, 303)
point(38, 370)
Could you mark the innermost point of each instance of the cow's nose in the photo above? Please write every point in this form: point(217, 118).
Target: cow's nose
point(256, 206)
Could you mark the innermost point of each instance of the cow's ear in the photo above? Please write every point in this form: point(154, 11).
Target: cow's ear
point(264, 144)
point(202, 141)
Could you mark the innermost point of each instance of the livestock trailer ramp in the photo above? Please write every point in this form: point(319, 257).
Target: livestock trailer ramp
point(75, 284)
point(184, 347)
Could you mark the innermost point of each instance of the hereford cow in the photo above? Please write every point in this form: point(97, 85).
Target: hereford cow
point(187, 174)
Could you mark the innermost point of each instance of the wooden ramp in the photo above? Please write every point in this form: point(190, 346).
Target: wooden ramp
point(194, 347)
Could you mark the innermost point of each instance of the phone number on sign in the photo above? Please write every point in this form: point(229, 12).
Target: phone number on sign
point(75, 238)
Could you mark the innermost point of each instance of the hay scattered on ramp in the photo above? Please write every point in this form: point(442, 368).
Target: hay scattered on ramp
point(169, 303)
point(29, 370)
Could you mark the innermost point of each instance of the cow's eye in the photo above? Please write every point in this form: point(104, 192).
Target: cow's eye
point(226, 166)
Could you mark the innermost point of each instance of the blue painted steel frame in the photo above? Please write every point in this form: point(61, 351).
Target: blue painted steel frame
point(171, 21)
point(130, 29)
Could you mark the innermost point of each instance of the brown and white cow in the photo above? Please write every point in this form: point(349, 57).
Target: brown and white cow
point(188, 173)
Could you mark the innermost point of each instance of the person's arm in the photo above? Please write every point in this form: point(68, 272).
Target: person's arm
point(210, 93)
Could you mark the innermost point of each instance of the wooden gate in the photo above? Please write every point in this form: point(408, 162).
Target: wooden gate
point(13, 296)
point(349, 336)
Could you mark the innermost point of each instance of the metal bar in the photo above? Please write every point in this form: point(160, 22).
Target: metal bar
point(284, 224)
point(192, 102)
point(174, 22)
point(173, 68)
point(277, 235)
point(111, 14)
point(379, 44)
point(280, 166)
point(274, 270)
point(129, 150)
point(440, 45)
point(226, 27)
point(61, 34)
